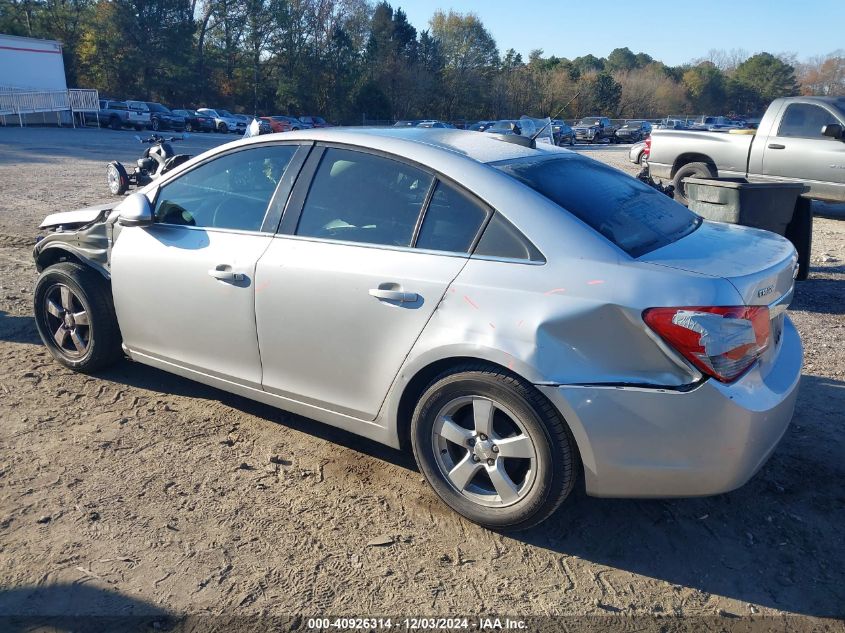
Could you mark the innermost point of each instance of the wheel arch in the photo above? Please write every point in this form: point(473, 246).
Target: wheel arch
point(693, 157)
point(51, 255)
point(412, 382)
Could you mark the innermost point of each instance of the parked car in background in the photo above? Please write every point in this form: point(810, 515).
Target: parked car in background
point(224, 121)
point(196, 122)
point(315, 121)
point(633, 131)
point(594, 129)
point(527, 317)
point(800, 139)
point(433, 124)
point(671, 124)
point(161, 118)
point(480, 126)
point(278, 123)
point(562, 133)
point(141, 108)
point(639, 151)
point(407, 123)
point(117, 115)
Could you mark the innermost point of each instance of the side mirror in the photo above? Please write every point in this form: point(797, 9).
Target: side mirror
point(833, 130)
point(135, 210)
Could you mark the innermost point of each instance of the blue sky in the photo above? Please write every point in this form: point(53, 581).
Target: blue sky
point(674, 32)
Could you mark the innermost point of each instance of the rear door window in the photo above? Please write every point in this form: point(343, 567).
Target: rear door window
point(360, 197)
point(452, 220)
point(632, 215)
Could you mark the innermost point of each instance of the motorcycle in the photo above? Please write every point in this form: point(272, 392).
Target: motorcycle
point(156, 160)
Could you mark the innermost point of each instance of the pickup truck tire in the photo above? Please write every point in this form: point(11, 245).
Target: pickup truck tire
point(156, 125)
point(222, 128)
point(114, 123)
point(799, 231)
point(690, 170)
point(89, 339)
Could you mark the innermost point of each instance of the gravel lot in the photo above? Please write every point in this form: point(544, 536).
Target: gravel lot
point(138, 491)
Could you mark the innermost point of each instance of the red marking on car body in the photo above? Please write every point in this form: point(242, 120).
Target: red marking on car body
point(555, 291)
point(595, 281)
point(470, 301)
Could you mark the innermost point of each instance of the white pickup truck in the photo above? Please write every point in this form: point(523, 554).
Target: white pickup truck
point(800, 139)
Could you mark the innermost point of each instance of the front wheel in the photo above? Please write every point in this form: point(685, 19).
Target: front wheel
point(223, 128)
point(493, 448)
point(189, 127)
point(156, 125)
point(117, 178)
point(75, 317)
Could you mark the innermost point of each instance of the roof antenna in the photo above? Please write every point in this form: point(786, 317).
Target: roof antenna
point(542, 129)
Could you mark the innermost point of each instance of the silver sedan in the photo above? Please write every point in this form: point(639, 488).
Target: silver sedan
point(519, 318)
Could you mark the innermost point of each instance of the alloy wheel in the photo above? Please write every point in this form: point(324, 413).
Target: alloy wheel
point(484, 451)
point(67, 319)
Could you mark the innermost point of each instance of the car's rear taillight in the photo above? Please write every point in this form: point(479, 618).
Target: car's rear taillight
point(720, 341)
point(647, 150)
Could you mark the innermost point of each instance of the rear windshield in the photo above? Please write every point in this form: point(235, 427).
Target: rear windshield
point(632, 215)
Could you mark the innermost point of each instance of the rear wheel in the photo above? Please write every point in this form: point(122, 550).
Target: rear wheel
point(223, 128)
point(75, 317)
point(493, 448)
point(156, 125)
point(690, 170)
point(188, 126)
point(114, 123)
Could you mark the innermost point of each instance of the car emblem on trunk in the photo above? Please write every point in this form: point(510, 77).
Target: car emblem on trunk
point(762, 292)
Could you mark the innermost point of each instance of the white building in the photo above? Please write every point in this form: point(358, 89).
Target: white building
point(31, 64)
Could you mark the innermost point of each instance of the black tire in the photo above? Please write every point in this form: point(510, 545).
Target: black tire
point(223, 128)
point(690, 170)
point(114, 123)
point(799, 231)
point(571, 140)
point(188, 126)
point(156, 125)
point(118, 180)
point(91, 293)
point(139, 128)
point(640, 157)
point(554, 446)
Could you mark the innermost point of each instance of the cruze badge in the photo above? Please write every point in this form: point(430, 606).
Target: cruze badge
point(762, 292)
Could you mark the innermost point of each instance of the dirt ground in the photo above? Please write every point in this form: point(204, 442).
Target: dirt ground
point(137, 491)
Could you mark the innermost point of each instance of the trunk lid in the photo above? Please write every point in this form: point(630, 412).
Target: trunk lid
point(761, 265)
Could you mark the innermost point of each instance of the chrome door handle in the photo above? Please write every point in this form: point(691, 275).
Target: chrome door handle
point(224, 272)
point(776, 146)
point(394, 295)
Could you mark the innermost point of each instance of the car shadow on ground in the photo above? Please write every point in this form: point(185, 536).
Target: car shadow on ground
point(751, 544)
point(81, 608)
point(18, 329)
point(822, 295)
point(775, 542)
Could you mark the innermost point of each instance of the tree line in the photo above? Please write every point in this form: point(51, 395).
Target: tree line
point(350, 60)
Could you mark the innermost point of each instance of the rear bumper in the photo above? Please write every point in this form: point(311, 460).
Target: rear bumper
point(637, 442)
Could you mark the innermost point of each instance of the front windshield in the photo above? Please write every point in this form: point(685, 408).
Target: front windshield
point(157, 107)
point(633, 124)
point(589, 121)
point(632, 215)
point(225, 113)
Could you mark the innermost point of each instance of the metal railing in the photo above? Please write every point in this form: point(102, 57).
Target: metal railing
point(22, 102)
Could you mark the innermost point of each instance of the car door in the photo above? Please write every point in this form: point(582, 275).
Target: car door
point(348, 284)
point(184, 287)
point(797, 151)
